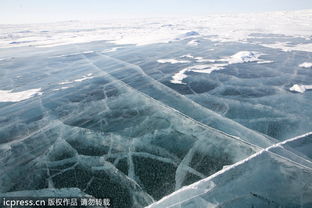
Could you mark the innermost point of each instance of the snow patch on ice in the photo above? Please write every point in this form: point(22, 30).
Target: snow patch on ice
point(201, 59)
point(208, 68)
point(193, 43)
point(187, 56)
point(9, 96)
point(62, 88)
point(244, 57)
point(284, 46)
point(111, 50)
point(217, 64)
point(179, 77)
point(306, 65)
point(85, 77)
point(300, 88)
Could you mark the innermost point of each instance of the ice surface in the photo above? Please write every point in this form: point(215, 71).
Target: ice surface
point(265, 179)
point(251, 93)
point(135, 77)
point(100, 136)
point(179, 112)
point(172, 61)
point(300, 145)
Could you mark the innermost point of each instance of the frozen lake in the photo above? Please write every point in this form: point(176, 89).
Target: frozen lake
point(137, 122)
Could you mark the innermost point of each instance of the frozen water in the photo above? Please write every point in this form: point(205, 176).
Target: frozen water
point(199, 118)
point(100, 135)
point(172, 61)
point(255, 92)
point(268, 178)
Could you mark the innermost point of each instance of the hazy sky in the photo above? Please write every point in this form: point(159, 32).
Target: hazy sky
point(23, 11)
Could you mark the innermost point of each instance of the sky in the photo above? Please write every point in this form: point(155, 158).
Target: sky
point(31, 11)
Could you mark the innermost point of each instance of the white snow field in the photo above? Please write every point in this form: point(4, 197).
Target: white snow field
point(221, 27)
